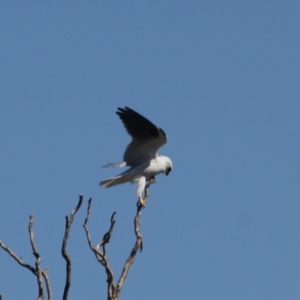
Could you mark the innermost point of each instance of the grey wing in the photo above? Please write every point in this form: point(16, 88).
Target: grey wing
point(147, 138)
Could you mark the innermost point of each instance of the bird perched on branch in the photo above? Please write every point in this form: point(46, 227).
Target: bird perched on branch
point(141, 155)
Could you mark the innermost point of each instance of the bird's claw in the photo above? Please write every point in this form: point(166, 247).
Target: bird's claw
point(142, 202)
point(152, 179)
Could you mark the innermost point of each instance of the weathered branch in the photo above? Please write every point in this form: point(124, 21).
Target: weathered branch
point(69, 221)
point(139, 239)
point(16, 258)
point(112, 290)
point(48, 285)
point(39, 275)
point(100, 256)
point(37, 270)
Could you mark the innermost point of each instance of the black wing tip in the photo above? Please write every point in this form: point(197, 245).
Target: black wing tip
point(127, 112)
point(120, 110)
point(126, 109)
point(132, 120)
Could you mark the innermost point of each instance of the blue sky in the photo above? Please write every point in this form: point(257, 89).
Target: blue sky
point(220, 77)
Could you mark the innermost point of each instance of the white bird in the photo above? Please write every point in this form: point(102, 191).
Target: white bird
point(141, 155)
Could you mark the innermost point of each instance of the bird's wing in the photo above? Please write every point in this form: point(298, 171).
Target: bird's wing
point(147, 138)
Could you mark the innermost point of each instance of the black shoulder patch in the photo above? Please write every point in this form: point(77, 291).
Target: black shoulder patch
point(162, 132)
point(154, 132)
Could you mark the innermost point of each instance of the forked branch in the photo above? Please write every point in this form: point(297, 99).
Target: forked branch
point(113, 290)
point(48, 285)
point(37, 270)
point(100, 255)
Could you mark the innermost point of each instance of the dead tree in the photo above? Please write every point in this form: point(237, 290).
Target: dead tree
point(113, 289)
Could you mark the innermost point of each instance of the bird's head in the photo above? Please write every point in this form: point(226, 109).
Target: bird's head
point(168, 164)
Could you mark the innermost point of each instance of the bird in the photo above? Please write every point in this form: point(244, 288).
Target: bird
point(141, 154)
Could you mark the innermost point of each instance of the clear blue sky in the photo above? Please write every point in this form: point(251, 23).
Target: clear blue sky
point(222, 78)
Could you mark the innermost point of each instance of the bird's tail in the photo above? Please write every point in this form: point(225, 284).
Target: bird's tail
point(114, 165)
point(114, 181)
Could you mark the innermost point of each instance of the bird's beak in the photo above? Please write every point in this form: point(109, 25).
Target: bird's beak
point(168, 171)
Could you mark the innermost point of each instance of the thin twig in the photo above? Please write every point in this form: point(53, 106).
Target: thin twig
point(69, 221)
point(38, 259)
point(107, 235)
point(37, 270)
point(100, 256)
point(48, 285)
point(16, 258)
point(139, 239)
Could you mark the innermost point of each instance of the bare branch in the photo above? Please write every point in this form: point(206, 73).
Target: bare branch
point(37, 270)
point(139, 239)
point(69, 221)
point(100, 256)
point(16, 258)
point(107, 235)
point(112, 290)
point(38, 259)
point(48, 285)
